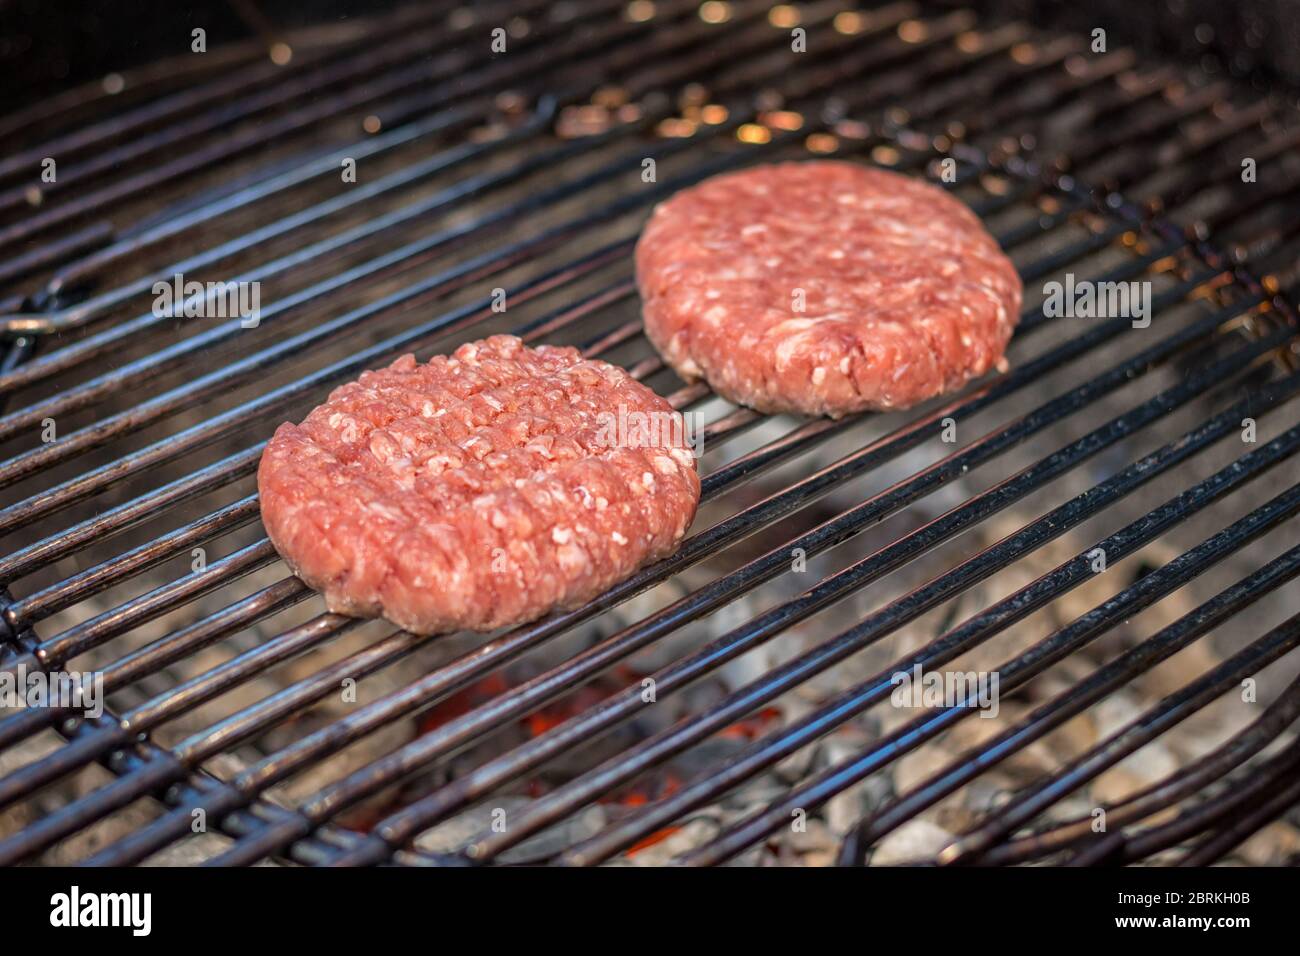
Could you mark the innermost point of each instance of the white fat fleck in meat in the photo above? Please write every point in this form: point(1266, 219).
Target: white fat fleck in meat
point(684, 457)
point(383, 447)
point(664, 465)
point(791, 345)
point(437, 463)
point(381, 510)
point(617, 538)
point(790, 326)
point(541, 445)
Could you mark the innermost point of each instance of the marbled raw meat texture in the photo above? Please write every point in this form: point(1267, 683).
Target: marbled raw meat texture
point(906, 295)
point(479, 490)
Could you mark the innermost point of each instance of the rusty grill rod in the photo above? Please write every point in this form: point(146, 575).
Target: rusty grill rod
point(163, 109)
point(1032, 662)
point(101, 305)
point(1108, 678)
point(306, 115)
point(1171, 710)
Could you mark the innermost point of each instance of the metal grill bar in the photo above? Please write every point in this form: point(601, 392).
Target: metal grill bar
point(1263, 732)
point(101, 305)
point(1034, 661)
point(1171, 710)
point(309, 114)
point(1281, 507)
point(1192, 626)
point(1244, 793)
point(156, 112)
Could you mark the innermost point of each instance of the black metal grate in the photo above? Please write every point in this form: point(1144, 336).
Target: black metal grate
point(524, 172)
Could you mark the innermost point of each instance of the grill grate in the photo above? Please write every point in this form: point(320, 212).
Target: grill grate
point(526, 175)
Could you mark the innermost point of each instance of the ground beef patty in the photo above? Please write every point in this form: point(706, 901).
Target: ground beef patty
point(824, 288)
point(480, 490)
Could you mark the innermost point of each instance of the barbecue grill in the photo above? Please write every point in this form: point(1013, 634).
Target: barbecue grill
point(1105, 521)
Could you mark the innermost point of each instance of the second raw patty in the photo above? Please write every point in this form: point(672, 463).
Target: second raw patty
point(824, 288)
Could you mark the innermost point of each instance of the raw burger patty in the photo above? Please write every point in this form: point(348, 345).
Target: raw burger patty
point(905, 295)
point(481, 490)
